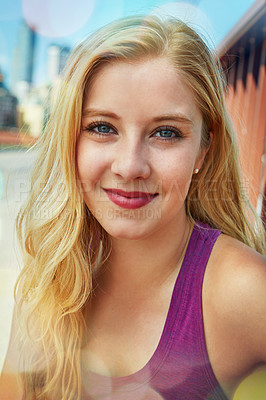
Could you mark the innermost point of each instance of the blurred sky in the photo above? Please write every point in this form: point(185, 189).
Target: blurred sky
point(66, 22)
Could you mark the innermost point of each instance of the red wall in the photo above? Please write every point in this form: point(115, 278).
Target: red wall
point(246, 103)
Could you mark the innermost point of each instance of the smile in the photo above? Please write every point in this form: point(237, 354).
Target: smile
point(129, 200)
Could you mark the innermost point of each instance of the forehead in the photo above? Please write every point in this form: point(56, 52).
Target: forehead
point(150, 86)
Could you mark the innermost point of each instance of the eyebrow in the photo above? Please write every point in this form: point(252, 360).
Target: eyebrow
point(92, 112)
point(179, 117)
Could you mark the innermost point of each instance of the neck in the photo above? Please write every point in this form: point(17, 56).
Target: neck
point(134, 264)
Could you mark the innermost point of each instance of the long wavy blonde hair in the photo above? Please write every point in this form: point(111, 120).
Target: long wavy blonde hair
point(62, 242)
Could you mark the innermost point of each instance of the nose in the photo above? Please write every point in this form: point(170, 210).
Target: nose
point(131, 160)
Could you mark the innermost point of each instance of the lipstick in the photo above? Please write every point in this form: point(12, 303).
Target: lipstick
point(129, 200)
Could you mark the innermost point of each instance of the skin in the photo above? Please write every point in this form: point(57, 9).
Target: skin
point(132, 156)
point(132, 292)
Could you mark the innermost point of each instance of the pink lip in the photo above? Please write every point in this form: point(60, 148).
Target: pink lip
point(129, 200)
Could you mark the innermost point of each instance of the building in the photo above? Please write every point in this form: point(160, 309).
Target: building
point(56, 60)
point(243, 57)
point(8, 107)
point(57, 57)
point(23, 61)
point(32, 111)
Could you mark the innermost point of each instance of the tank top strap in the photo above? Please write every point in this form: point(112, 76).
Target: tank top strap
point(193, 269)
point(188, 286)
point(198, 251)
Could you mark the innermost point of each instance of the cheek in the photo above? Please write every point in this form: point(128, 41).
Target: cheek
point(90, 165)
point(176, 176)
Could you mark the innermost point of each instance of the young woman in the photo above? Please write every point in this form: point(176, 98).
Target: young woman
point(142, 276)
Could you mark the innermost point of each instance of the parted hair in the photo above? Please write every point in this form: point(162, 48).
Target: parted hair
point(62, 242)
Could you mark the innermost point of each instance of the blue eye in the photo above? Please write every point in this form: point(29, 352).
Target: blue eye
point(100, 128)
point(103, 128)
point(165, 134)
point(169, 133)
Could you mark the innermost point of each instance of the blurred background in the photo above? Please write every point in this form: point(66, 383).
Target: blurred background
point(36, 38)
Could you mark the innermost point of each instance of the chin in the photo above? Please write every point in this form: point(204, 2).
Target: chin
point(127, 234)
point(129, 230)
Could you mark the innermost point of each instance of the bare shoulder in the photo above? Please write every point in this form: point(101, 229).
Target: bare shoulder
point(234, 257)
point(237, 275)
point(240, 267)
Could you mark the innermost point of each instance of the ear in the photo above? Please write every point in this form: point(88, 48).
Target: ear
point(202, 155)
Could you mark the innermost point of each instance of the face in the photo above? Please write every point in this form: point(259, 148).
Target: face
point(138, 146)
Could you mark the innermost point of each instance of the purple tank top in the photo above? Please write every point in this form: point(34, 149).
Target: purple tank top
point(179, 368)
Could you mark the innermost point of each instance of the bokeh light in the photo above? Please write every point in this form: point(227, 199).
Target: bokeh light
point(191, 15)
point(57, 18)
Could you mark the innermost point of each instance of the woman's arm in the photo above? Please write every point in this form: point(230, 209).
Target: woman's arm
point(241, 288)
point(255, 313)
point(234, 308)
point(245, 283)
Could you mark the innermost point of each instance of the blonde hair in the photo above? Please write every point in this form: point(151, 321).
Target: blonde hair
point(62, 242)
